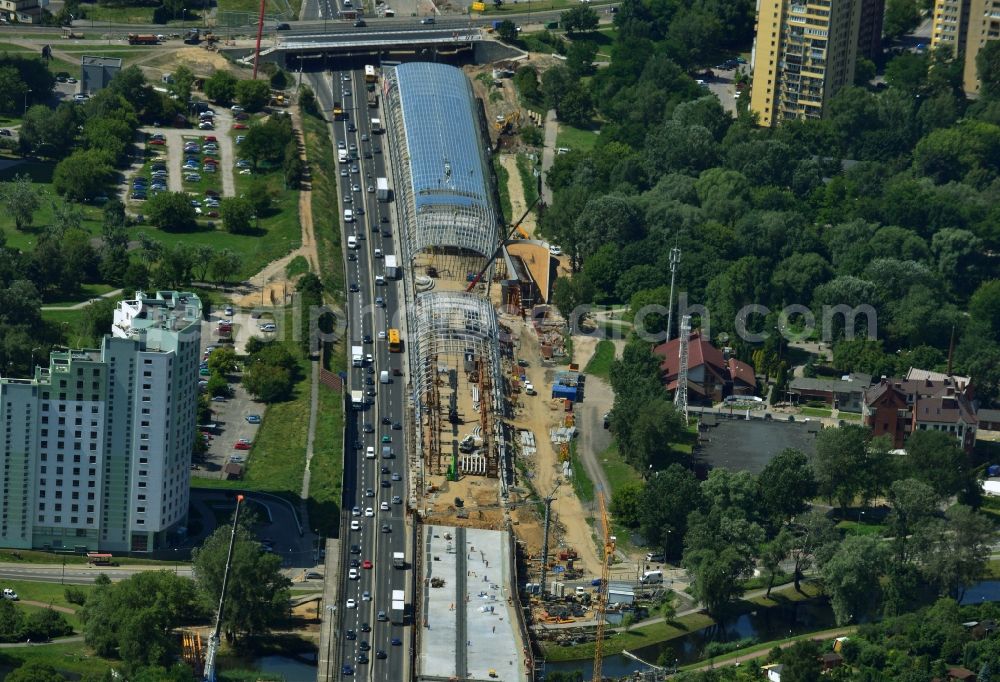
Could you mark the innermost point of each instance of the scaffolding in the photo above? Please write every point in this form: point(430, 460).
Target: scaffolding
point(456, 345)
point(442, 179)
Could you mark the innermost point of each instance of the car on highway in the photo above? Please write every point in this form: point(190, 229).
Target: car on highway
point(355, 524)
point(383, 506)
point(366, 339)
point(369, 512)
point(382, 618)
point(366, 596)
point(386, 484)
point(367, 564)
point(360, 23)
point(380, 654)
point(351, 604)
point(387, 438)
point(396, 641)
point(361, 659)
point(386, 528)
point(396, 499)
point(396, 477)
point(365, 627)
point(356, 511)
point(355, 549)
point(368, 428)
point(354, 288)
point(369, 493)
point(347, 669)
point(397, 426)
point(386, 471)
point(353, 574)
point(427, 21)
point(350, 634)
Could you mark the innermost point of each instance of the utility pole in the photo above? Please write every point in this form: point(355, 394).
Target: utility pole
point(675, 258)
point(545, 534)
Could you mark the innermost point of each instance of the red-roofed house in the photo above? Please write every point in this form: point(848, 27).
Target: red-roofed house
point(898, 407)
point(711, 375)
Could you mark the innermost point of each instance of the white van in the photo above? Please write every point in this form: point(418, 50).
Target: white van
point(348, 215)
point(370, 452)
point(383, 377)
point(652, 578)
point(342, 155)
point(352, 242)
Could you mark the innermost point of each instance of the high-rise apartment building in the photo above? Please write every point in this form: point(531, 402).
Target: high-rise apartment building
point(96, 448)
point(804, 52)
point(965, 26)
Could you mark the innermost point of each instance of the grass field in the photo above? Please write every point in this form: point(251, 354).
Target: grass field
point(87, 292)
point(575, 138)
point(118, 15)
point(849, 416)
point(298, 266)
point(582, 485)
point(634, 638)
point(604, 357)
point(618, 471)
point(73, 657)
point(529, 182)
point(327, 466)
point(325, 210)
point(815, 411)
point(503, 177)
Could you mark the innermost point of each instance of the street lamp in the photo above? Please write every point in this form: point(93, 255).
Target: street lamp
point(27, 91)
point(176, 561)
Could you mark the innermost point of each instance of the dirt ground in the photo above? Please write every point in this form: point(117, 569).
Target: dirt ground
point(571, 528)
point(516, 191)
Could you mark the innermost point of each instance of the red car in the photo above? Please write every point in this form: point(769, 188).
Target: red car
point(366, 564)
point(240, 126)
point(209, 138)
point(157, 141)
point(242, 444)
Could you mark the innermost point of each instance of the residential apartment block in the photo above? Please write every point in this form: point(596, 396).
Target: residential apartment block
point(964, 26)
point(96, 448)
point(923, 401)
point(804, 52)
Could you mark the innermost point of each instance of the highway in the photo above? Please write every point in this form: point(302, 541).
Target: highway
point(365, 484)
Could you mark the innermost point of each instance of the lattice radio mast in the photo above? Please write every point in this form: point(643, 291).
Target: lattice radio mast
point(681, 394)
point(675, 258)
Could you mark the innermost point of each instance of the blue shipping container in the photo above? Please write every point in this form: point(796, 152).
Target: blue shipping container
point(565, 392)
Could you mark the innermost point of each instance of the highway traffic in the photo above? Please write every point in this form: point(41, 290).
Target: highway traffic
point(371, 645)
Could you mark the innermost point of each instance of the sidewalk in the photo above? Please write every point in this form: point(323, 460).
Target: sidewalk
point(549, 153)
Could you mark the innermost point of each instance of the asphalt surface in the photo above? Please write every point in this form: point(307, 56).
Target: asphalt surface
point(365, 318)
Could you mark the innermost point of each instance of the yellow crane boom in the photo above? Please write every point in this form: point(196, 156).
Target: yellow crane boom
point(602, 594)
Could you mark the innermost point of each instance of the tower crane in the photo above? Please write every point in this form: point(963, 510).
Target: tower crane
point(215, 639)
point(602, 597)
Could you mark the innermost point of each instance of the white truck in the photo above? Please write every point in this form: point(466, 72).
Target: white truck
point(358, 400)
point(357, 356)
point(376, 126)
point(398, 607)
point(398, 560)
point(391, 267)
point(382, 192)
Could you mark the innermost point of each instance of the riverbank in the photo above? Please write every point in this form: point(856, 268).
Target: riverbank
point(659, 630)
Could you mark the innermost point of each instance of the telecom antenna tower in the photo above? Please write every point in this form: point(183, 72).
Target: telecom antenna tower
point(681, 394)
point(675, 259)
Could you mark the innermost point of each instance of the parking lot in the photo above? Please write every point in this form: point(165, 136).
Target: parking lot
point(229, 415)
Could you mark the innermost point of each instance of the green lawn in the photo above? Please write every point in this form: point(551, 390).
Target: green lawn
point(118, 15)
point(327, 466)
point(48, 593)
point(87, 292)
point(298, 266)
point(849, 416)
point(618, 471)
point(575, 138)
point(640, 636)
point(582, 485)
point(11, 47)
point(271, 7)
point(815, 412)
point(863, 528)
point(529, 182)
point(73, 657)
point(545, 6)
point(325, 209)
point(600, 363)
point(503, 177)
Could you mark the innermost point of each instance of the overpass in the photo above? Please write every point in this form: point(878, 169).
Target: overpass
point(414, 39)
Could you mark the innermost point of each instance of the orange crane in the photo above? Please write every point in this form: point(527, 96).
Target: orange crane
point(602, 595)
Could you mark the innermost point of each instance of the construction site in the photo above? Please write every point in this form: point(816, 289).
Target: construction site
point(493, 392)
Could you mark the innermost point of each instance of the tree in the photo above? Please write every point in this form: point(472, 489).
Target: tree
point(507, 31)
point(21, 199)
point(35, 671)
point(812, 535)
point(82, 175)
point(134, 619)
point(580, 57)
point(308, 101)
point(913, 503)
point(801, 662)
point(257, 593)
point(226, 266)
point(719, 576)
point(626, 504)
point(988, 69)
point(954, 552)
point(840, 463)
point(253, 95)
point(772, 553)
point(787, 483)
point(268, 383)
point(171, 211)
point(984, 309)
point(936, 459)
point(49, 133)
point(901, 17)
point(181, 84)
point(851, 577)
point(221, 87)
point(669, 496)
point(580, 19)
point(223, 361)
point(237, 215)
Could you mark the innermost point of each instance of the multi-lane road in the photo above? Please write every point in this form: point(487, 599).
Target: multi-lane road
point(368, 483)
